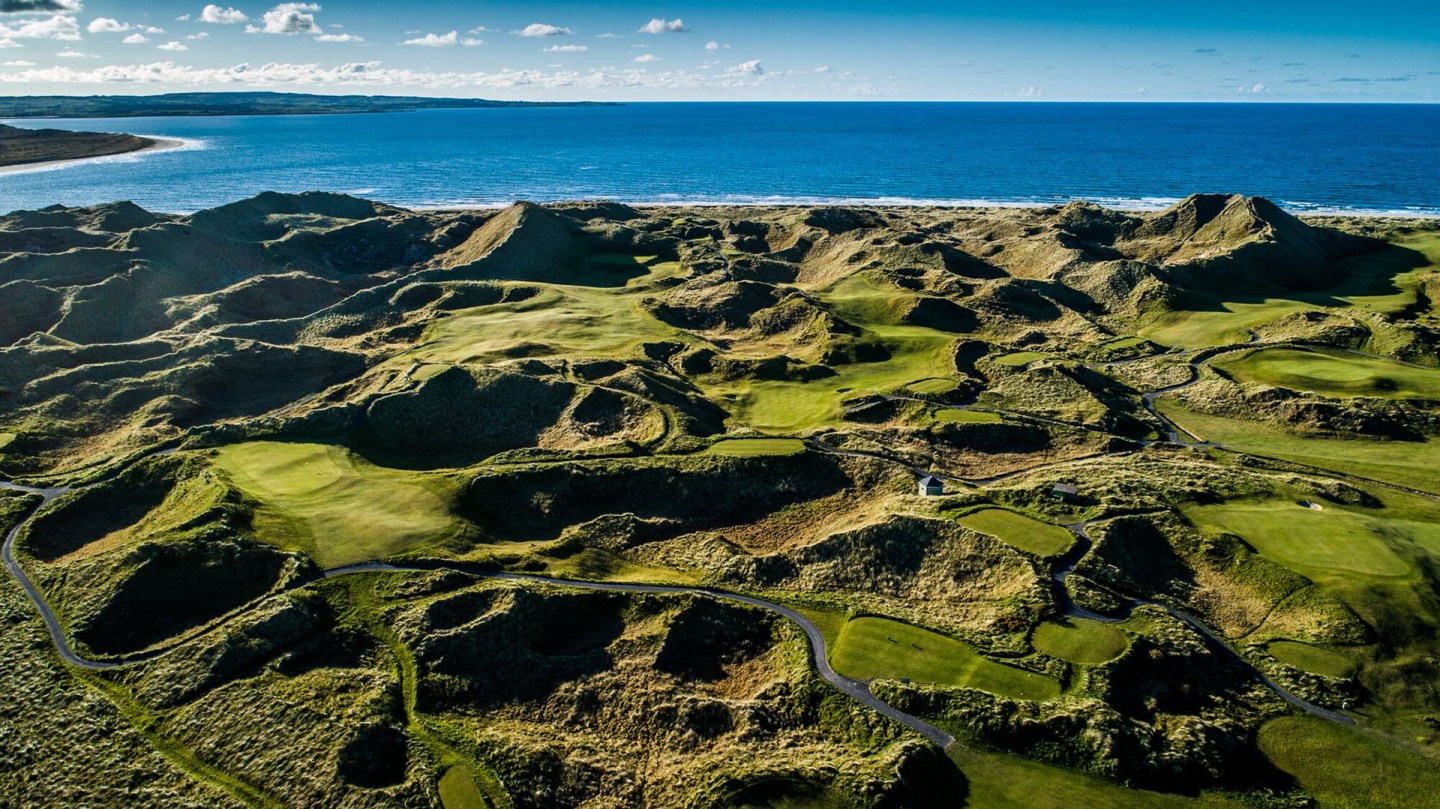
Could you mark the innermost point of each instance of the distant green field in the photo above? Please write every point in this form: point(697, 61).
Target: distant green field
point(878, 648)
point(1408, 463)
point(458, 790)
point(1019, 358)
point(1348, 768)
point(1326, 545)
point(932, 387)
point(999, 781)
point(1079, 641)
point(753, 447)
point(1039, 538)
point(1333, 373)
point(1310, 658)
point(334, 505)
point(954, 415)
point(5, 439)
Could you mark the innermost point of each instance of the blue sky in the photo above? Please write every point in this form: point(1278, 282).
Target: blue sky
point(1212, 50)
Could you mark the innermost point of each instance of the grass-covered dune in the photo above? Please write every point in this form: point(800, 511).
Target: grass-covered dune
point(1220, 410)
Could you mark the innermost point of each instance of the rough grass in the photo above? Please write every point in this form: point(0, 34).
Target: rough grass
point(878, 648)
point(753, 447)
point(623, 269)
point(1032, 536)
point(1327, 545)
point(954, 415)
point(1310, 658)
point(999, 781)
point(1344, 767)
point(1332, 373)
point(333, 505)
point(1079, 641)
point(1407, 463)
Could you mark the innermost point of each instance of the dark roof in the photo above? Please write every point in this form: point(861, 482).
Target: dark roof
point(931, 480)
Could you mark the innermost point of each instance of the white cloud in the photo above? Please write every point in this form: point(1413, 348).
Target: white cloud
point(223, 16)
point(107, 25)
point(608, 36)
point(38, 6)
point(713, 46)
point(1030, 92)
point(339, 38)
point(660, 26)
point(646, 58)
point(172, 46)
point(482, 29)
point(567, 49)
point(435, 40)
point(151, 29)
point(135, 39)
point(540, 29)
point(10, 43)
point(19, 63)
point(73, 54)
point(750, 68)
point(289, 18)
point(822, 69)
point(201, 35)
point(58, 27)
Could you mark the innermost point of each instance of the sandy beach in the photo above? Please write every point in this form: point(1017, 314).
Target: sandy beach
point(159, 145)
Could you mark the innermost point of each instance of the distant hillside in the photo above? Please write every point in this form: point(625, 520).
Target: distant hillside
point(236, 104)
point(25, 146)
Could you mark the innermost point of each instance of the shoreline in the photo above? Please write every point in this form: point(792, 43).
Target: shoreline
point(158, 145)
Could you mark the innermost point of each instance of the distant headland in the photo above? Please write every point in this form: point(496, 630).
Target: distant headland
point(201, 104)
point(23, 149)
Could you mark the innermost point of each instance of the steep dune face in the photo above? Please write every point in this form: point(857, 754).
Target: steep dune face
point(523, 242)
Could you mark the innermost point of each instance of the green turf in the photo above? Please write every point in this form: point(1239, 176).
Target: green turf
point(1018, 359)
point(1039, 538)
point(1345, 768)
point(829, 622)
point(458, 790)
point(1079, 641)
point(1333, 373)
point(954, 415)
point(335, 506)
point(753, 447)
point(878, 648)
point(5, 439)
point(932, 387)
point(1407, 463)
point(623, 269)
point(999, 781)
point(1121, 343)
point(1310, 658)
point(1330, 545)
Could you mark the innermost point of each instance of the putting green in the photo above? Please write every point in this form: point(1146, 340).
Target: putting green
point(1347, 767)
point(1310, 658)
point(1333, 373)
point(1019, 359)
point(878, 648)
point(1329, 544)
point(1000, 781)
point(954, 415)
point(1033, 536)
point(5, 439)
point(458, 790)
point(1080, 641)
point(753, 447)
point(335, 506)
point(932, 387)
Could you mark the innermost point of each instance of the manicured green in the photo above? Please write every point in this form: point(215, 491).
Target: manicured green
point(1329, 544)
point(1079, 641)
point(5, 439)
point(1349, 768)
point(458, 790)
point(1033, 536)
point(999, 781)
point(753, 447)
point(878, 648)
point(955, 415)
point(1332, 373)
point(1408, 463)
point(1019, 359)
point(334, 505)
point(1310, 658)
point(932, 386)
point(1121, 343)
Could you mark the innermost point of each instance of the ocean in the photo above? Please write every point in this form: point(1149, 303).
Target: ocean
point(1351, 158)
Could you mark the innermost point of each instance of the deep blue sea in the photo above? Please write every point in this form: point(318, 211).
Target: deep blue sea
point(1362, 158)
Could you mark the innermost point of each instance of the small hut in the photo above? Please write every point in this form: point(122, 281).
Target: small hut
point(931, 486)
point(1066, 492)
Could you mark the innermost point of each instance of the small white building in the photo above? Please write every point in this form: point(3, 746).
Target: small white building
point(931, 486)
